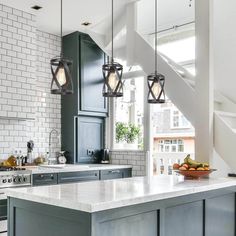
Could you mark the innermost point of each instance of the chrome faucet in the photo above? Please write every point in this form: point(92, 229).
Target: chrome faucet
point(50, 143)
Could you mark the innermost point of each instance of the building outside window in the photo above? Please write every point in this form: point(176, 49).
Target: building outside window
point(171, 145)
point(173, 136)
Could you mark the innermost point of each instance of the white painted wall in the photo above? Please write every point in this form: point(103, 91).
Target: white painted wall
point(224, 41)
point(170, 13)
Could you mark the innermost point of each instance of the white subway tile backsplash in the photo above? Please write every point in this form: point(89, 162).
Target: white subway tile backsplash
point(135, 158)
point(25, 78)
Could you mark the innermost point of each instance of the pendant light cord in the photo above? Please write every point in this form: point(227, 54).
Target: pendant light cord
point(61, 30)
point(155, 36)
point(112, 31)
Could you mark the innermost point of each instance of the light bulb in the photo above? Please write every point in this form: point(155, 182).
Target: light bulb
point(61, 76)
point(156, 89)
point(112, 80)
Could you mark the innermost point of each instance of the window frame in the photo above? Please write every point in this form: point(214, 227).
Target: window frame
point(166, 143)
point(111, 121)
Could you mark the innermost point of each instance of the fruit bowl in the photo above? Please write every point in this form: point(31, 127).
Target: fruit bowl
point(195, 174)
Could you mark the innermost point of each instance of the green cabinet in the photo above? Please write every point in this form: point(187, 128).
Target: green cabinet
point(75, 177)
point(115, 174)
point(90, 138)
point(91, 77)
point(44, 179)
point(87, 75)
point(87, 101)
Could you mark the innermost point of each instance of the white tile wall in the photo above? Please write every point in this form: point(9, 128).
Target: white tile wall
point(25, 79)
point(17, 56)
point(135, 158)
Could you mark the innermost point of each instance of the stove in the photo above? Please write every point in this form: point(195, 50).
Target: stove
point(14, 177)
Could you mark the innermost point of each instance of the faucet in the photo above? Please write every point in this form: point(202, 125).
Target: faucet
point(50, 143)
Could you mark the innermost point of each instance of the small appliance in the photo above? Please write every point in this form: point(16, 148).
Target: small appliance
point(105, 158)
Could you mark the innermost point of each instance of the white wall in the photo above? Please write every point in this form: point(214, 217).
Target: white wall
point(224, 38)
point(170, 13)
point(25, 79)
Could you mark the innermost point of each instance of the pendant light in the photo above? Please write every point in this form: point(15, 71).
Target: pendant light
point(112, 71)
point(156, 81)
point(61, 76)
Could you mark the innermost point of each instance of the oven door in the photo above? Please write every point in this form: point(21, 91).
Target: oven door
point(3, 217)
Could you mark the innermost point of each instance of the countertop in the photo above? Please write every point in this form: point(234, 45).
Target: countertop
point(75, 167)
point(103, 195)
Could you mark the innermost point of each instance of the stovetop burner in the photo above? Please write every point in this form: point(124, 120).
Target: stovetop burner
point(10, 168)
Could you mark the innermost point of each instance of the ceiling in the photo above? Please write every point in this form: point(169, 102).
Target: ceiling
point(75, 12)
point(171, 12)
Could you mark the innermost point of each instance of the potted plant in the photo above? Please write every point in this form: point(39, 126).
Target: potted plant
point(127, 134)
point(121, 131)
point(132, 134)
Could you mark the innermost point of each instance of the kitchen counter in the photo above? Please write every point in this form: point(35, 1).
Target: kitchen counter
point(75, 168)
point(138, 199)
point(104, 195)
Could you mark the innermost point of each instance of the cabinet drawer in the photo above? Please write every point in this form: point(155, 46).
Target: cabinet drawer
point(115, 174)
point(44, 179)
point(73, 177)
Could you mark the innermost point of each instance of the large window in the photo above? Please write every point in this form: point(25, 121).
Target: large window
point(129, 113)
point(173, 136)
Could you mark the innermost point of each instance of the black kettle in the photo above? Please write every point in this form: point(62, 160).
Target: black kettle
point(105, 158)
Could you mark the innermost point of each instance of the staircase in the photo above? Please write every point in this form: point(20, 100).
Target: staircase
point(180, 84)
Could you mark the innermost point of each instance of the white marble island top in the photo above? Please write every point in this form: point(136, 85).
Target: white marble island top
point(103, 195)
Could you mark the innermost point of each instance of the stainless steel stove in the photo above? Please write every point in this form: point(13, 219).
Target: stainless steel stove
point(10, 177)
point(14, 177)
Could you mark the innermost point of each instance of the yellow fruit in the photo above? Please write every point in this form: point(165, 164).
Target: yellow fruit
point(200, 168)
point(192, 169)
point(182, 168)
point(12, 161)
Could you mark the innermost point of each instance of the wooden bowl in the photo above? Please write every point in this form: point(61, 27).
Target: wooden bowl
point(195, 174)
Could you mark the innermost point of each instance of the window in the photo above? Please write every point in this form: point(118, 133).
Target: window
point(129, 113)
point(170, 145)
point(178, 121)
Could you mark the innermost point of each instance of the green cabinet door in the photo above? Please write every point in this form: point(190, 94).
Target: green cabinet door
point(115, 174)
point(91, 77)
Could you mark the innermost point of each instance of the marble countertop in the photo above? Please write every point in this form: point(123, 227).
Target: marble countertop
point(75, 167)
point(103, 195)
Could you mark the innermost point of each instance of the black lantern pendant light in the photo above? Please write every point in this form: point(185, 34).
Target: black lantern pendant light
point(112, 72)
point(60, 68)
point(156, 81)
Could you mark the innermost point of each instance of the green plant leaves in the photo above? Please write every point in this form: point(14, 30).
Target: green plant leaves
point(127, 132)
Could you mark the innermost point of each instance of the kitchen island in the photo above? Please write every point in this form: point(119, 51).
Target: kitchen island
point(142, 206)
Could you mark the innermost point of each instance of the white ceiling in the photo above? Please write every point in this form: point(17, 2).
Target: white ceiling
point(171, 12)
point(75, 12)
